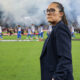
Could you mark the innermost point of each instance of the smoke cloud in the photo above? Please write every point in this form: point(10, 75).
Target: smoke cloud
point(27, 12)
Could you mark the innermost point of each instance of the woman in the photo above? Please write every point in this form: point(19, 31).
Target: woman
point(56, 60)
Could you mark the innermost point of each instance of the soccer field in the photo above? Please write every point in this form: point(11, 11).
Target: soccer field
point(20, 60)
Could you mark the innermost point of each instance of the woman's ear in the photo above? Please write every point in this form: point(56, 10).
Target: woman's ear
point(61, 14)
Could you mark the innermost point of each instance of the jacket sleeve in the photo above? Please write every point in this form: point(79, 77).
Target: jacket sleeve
point(63, 46)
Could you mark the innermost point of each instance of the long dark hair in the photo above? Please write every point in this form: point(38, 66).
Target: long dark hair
point(61, 8)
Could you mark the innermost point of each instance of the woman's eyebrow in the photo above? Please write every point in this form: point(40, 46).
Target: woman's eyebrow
point(50, 8)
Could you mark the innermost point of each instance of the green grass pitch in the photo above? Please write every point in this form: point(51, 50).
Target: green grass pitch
point(21, 60)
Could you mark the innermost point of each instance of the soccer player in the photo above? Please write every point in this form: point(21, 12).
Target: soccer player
point(29, 33)
point(19, 32)
point(49, 29)
point(1, 32)
point(72, 33)
point(33, 30)
point(41, 31)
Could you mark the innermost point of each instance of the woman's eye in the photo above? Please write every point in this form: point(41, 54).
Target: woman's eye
point(48, 10)
point(52, 10)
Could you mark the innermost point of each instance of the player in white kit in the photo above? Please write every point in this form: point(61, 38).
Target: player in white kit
point(49, 30)
point(72, 32)
point(33, 30)
point(19, 32)
point(40, 33)
point(29, 33)
point(1, 32)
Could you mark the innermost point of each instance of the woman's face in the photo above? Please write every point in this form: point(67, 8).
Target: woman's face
point(53, 13)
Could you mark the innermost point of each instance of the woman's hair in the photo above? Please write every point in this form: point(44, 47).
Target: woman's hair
point(61, 8)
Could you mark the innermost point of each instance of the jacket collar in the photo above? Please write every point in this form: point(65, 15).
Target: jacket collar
point(58, 23)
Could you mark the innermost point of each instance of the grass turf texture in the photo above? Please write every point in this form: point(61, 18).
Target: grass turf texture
point(20, 60)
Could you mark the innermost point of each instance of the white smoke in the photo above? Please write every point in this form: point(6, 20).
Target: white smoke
point(28, 11)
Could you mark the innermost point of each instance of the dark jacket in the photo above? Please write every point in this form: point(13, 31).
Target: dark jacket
point(56, 59)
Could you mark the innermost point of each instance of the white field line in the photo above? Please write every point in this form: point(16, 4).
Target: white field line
point(16, 40)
